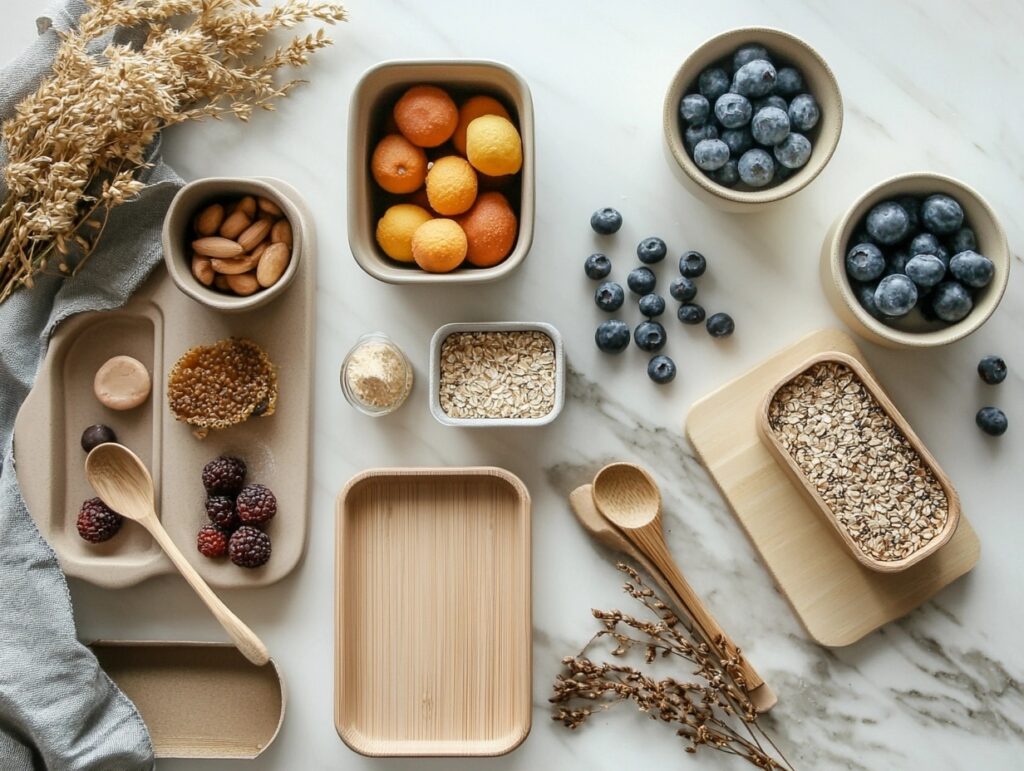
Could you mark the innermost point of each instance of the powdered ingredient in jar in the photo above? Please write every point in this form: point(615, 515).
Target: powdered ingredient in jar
point(378, 375)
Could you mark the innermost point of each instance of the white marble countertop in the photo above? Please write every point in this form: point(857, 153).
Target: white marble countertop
point(925, 87)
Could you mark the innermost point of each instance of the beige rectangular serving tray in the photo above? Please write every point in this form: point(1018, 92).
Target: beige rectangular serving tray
point(433, 627)
point(156, 326)
point(837, 599)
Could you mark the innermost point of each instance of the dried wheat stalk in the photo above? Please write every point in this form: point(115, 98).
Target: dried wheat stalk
point(77, 144)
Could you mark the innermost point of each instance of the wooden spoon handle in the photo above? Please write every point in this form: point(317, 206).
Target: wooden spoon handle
point(242, 636)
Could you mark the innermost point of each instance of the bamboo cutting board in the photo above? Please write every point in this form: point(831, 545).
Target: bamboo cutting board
point(837, 599)
point(432, 611)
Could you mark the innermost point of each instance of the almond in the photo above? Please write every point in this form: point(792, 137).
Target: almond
point(268, 206)
point(233, 226)
point(260, 248)
point(234, 267)
point(247, 205)
point(253, 234)
point(214, 246)
point(273, 264)
point(209, 219)
point(202, 269)
point(281, 233)
point(243, 284)
point(221, 283)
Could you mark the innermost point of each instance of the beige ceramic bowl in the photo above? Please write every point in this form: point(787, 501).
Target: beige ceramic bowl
point(177, 235)
point(784, 48)
point(379, 88)
point(915, 332)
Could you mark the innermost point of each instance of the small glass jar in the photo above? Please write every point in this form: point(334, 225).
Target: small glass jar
point(376, 377)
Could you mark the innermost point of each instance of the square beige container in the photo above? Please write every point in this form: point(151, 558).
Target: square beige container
point(382, 85)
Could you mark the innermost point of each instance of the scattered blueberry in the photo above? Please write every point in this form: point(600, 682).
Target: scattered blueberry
point(896, 295)
point(972, 269)
point(756, 168)
point(865, 294)
point(804, 112)
point(865, 262)
point(696, 134)
point(690, 313)
point(641, 280)
point(992, 369)
point(711, 154)
point(925, 270)
point(747, 54)
point(683, 289)
point(728, 175)
point(794, 151)
point(612, 336)
point(606, 221)
point(963, 240)
point(651, 250)
point(755, 78)
point(649, 336)
point(739, 140)
point(733, 110)
point(772, 101)
point(888, 223)
point(992, 421)
point(694, 108)
point(770, 125)
point(652, 305)
point(941, 214)
point(720, 325)
point(661, 369)
point(692, 264)
point(951, 301)
point(712, 83)
point(788, 81)
point(609, 296)
point(597, 266)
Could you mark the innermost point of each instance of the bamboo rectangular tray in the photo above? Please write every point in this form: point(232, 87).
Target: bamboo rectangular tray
point(156, 326)
point(837, 599)
point(433, 626)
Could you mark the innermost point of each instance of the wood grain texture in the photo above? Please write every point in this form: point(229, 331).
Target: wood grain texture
point(432, 611)
point(837, 599)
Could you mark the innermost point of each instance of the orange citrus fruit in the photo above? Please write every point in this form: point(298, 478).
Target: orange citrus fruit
point(493, 146)
point(472, 109)
point(426, 116)
point(398, 165)
point(451, 185)
point(490, 230)
point(395, 230)
point(439, 246)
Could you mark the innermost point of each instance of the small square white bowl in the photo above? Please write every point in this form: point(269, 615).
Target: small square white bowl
point(494, 326)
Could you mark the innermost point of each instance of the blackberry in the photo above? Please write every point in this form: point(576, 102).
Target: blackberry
point(97, 522)
point(249, 547)
point(256, 504)
point(221, 511)
point(224, 476)
point(212, 541)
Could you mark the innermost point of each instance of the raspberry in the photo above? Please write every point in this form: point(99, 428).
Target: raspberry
point(98, 523)
point(224, 476)
point(256, 504)
point(212, 541)
point(249, 547)
point(221, 511)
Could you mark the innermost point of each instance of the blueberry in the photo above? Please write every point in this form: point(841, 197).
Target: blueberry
point(928, 243)
point(690, 313)
point(711, 154)
point(992, 369)
point(661, 369)
point(781, 174)
point(612, 336)
point(609, 296)
point(861, 236)
point(756, 168)
point(712, 83)
point(692, 264)
point(992, 421)
point(652, 305)
point(683, 289)
point(793, 151)
point(733, 110)
point(720, 325)
point(888, 223)
point(651, 250)
point(788, 81)
point(897, 262)
point(747, 54)
point(772, 101)
point(641, 280)
point(695, 134)
point(896, 295)
point(941, 214)
point(694, 108)
point(649, 336)
point(804, 112)
point(865, 294)
point(770, 125)
point(951, 301)
point(728, 175)
point(912, 206)
point(972, 269)
point(597, 266)
point(606, 221)
point(962, 240)
point(865, 262)
point(739, 140)
point(925, 270)
point(755, 78)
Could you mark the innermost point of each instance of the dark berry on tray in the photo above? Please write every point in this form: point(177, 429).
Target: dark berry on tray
point(694, 108)
point(941, 214)
point(606, 221)
point(609, 296)
point(597, 266)
point(788, 81)
point(651, 250)
point(690, 313)
point(641, 280)
point(720, 325)
point(97, 522)
point(972, 269)
point(896, 295)
point(793, 152)
point(649, 336)
point(692, 264)
point(249, 547)
point(661, 369)
point(711, 154)
point(221, 511)
point(96, 435)
point(951, 301)
point(925, 270)
point(804, 112)
point(224, 476)
point(888, 223)
point(712, 83)
point(770, 125)
point(612, 336)
point(992, 421)
point(212, 541)
point(652, 305)
point(756, 168)
point(992, 369)
point(755, 78)
point(683, 289)
point(865, 262)
point(256, 504)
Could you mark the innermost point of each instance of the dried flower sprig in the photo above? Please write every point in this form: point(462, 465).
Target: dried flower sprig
point(76, 146)
point(709, 709)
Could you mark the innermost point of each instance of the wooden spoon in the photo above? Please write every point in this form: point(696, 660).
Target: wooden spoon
point(628, 498)
point(123, 483)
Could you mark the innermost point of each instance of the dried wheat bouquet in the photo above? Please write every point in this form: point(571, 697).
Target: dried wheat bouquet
point(76, 145)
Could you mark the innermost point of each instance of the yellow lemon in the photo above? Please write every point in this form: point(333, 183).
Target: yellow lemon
point(451, 185)
point(493, 146)
point(395, 230)
point(439, 246)
point(472, 109)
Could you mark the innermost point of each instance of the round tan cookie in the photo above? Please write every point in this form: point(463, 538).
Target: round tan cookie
point(122, 383)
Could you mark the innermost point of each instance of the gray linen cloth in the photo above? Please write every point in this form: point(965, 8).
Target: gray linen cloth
point(58, 710)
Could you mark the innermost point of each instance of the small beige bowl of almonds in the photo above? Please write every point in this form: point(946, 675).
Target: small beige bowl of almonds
point(232, 243)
